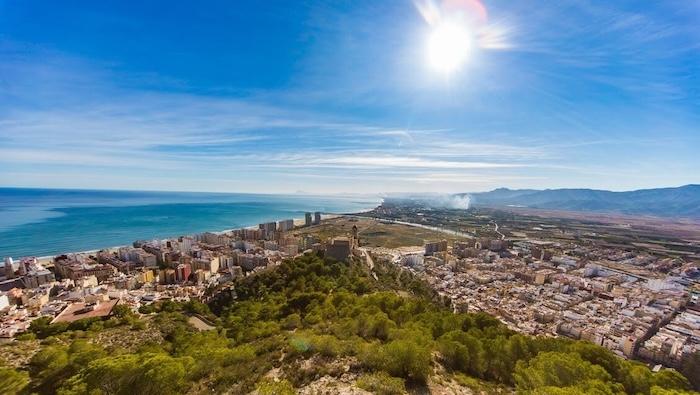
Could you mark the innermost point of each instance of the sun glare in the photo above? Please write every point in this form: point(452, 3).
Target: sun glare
point(449, 47)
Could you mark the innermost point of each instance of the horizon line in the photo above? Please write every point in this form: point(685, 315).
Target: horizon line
point(304, 193)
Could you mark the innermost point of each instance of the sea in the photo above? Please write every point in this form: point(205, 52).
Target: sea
point(46, 222)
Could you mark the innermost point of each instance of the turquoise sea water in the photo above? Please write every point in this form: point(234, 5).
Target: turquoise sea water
point(40, 222)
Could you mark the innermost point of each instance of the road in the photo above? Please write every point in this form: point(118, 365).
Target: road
point(199, 324)
point(369, 260)
point(503, 237)
point(433, 228)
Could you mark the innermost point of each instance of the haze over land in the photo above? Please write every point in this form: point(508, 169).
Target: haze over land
point(665, 202)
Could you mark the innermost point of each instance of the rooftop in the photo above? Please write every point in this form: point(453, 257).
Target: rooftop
point(79, 311)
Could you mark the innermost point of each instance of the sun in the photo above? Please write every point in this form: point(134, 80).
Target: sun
point(449, 46)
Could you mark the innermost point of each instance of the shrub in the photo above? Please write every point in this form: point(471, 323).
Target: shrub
point(328, 346)
point(381, 384)
point(556, 369)
point(26, 336)
point(300, 345)
point(138, 325)
point(670, 379)
point(13, 381)
point(270, 387)
point(292, 321)
point(404, 358)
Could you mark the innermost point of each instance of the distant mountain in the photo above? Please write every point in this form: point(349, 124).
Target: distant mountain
point(665, 202)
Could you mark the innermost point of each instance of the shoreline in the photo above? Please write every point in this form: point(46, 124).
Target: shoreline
point(324, 216)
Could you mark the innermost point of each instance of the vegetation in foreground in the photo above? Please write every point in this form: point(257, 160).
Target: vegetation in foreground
point(311, 318)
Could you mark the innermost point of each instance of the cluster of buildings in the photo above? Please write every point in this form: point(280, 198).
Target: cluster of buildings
point(83, 285)
point(616, 299)
point(27, 273)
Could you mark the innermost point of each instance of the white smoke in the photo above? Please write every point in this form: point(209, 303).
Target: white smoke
point(459, 202)
point(448, 201)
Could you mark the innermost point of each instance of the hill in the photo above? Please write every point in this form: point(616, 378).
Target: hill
point(663, 202)
point(319, 326)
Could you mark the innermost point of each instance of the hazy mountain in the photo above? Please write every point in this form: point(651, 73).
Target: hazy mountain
point(668, 202)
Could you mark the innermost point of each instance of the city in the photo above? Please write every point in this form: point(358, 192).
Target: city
point(323, 197)
point(543, 280)
point(75, 286)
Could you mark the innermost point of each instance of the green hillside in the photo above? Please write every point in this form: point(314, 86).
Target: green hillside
point(289, 328)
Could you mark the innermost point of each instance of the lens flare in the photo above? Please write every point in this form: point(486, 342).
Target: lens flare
point(458, 30)
point(449, 46)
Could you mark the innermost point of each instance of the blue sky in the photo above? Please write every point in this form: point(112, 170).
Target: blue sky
point(338, 96)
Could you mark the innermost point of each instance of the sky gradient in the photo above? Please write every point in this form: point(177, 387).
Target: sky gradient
point(337, 96)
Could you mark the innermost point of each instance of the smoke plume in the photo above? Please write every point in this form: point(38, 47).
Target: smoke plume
point(449, 201)
point(460, 202)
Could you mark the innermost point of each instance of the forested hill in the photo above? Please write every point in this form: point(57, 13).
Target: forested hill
point(664, 202)
point(314, 325)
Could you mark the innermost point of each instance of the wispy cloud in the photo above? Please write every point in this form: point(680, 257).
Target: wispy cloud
point(394, 161)
point(128, 131)
point(557, 94)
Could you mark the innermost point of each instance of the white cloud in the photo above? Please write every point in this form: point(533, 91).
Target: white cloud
point(395, 161)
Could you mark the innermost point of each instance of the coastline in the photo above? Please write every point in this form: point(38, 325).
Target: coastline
point(298, 221)
point(81, 221)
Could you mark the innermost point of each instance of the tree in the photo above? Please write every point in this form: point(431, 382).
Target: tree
point(197, 307)
point(49, 360)
point(656, 390)
point(498, 364)
point(557, 369)
point(82, 352)
point(382, 384)
point(13, 381)
point(670, 379)
point(43, 328)
point(635, 377)
point(596, 387)
point(48, 367)
point(463, 352)
point(163, 374)
point(269, 387)
point(122, 311)
point(599, 356)
point(690, 367)
point(134, 374)
point(404, 358)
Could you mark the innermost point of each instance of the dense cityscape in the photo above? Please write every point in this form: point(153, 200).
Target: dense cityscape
point(82, 285)
point(538, 276)
point(555, 277)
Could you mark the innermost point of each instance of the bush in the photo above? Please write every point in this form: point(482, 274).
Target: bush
point(122, 311)
point(43, 328)
point(292, 321)
point(132, 373)
point(690, 368)
point(328, 346)
point(13, 381)
point(403, 358)
point(138, 325)
point(300, 345)
point(26, 336)
point(557, 369)
point(148, 309)
point(381, 384)
point(670, 379)
point(463, 353)
point(269, 387)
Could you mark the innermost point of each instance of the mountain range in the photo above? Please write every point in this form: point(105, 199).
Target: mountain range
point(682, 201)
